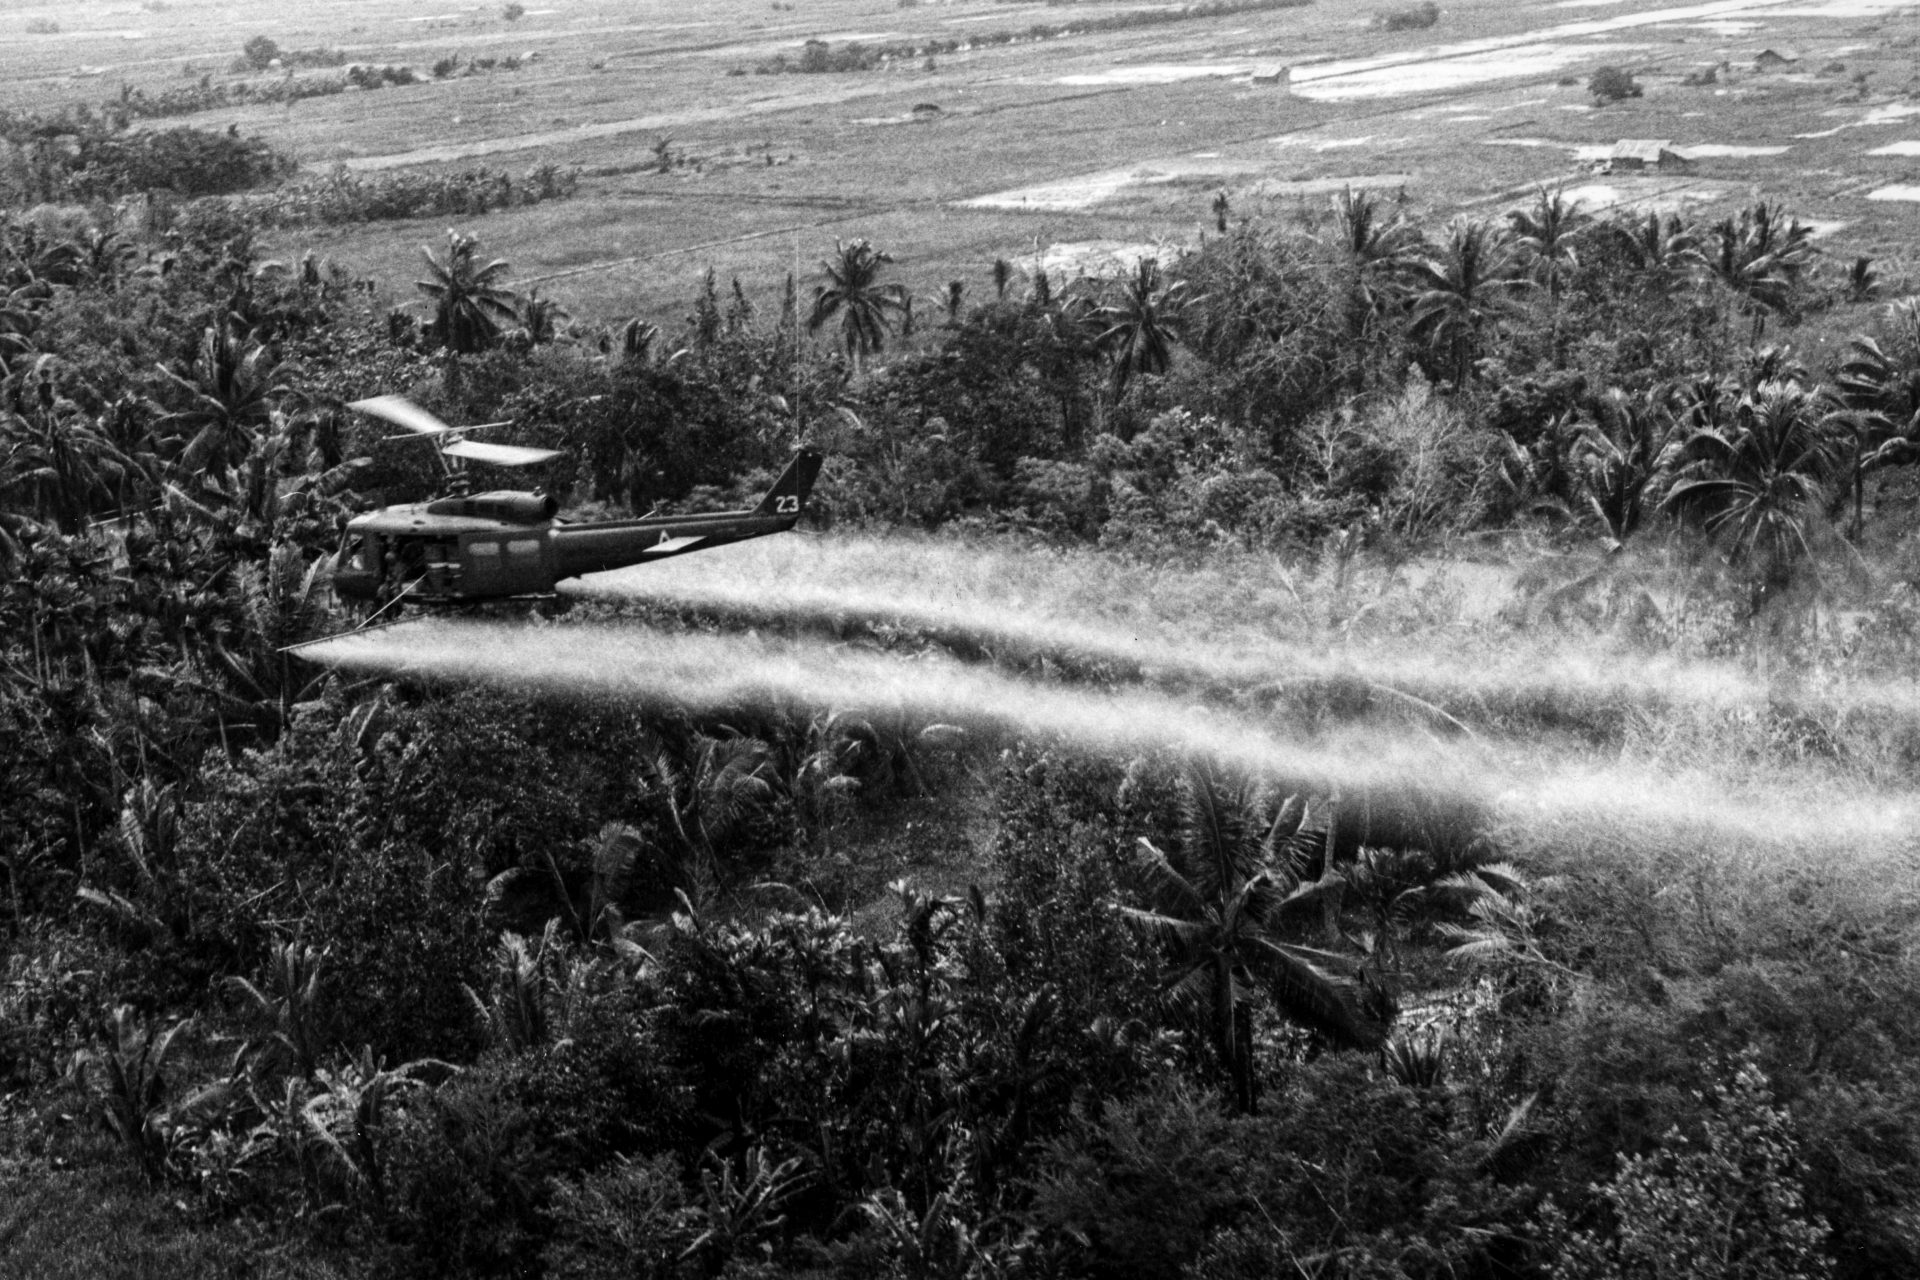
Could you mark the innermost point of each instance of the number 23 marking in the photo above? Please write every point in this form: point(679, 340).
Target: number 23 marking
point(787, 504)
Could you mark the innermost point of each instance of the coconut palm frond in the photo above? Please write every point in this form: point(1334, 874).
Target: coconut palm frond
point(1310, 995)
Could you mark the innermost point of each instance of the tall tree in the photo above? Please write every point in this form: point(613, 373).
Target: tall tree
point(1662, 251)
point(1140, 324)
point(1462, 287)
point(1758, 258)
point(1372, 248)
point(1549, 234)
point(854, 292)
point(1759, 480)
point(1878, 388)
point(1217, 909)
point(471, 304)
point(57, 463)
point(1619, 454)
point(231, 388)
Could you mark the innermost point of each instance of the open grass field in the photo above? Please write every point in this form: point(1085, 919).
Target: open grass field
point(1119, 137)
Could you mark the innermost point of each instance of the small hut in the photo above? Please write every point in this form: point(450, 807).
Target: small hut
point(1646, 155)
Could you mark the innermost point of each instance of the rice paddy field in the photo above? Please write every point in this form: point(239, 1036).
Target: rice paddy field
point(1094, 146)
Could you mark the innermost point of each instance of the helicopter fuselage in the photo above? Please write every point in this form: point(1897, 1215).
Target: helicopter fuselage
point(503, 544)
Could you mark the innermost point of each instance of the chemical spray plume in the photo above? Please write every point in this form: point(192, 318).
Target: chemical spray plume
point(1239, 628)
point(1409, 777)
point(717, 673)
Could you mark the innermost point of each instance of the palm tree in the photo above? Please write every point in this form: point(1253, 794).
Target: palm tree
point(1373, 249)
point(1759, 258)
point(106, 257)
point(58, 463)
point(634, 341)
point(28, 253)
point(1218, 913)
point(1759, 481)
point(1139, 326)
point(1619, 454)
point(1549, 235)
point(1662, 251)
point(540, 318)
point(471, 304)
point(1065, 340)
point(20, 311)
point(1463, 289)
point(709, 794)
point(1881, 375)
point(231, 388)
point(1878, 387)
point(854, 293)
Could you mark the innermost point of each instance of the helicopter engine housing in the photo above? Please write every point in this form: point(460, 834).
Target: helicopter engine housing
point(501, 504)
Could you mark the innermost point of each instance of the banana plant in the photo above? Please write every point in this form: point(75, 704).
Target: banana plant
point(134, 1097)
point(288, 1006)
point(743, 1208)
point(351, 1113)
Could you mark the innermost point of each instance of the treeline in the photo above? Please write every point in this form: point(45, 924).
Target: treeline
point(81, 156)
point(819, 56)
point(88, 157)
point(206, 95)
point(344, 196)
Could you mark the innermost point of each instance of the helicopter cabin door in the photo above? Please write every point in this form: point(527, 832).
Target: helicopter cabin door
point(486, 571)
point(440, 564)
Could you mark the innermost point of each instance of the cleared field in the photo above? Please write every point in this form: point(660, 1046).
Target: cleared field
point(1121, 136)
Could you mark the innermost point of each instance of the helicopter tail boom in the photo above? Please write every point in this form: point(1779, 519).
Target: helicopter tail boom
point(788, 497)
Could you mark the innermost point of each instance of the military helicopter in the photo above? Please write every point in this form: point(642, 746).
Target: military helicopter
point(467, 548)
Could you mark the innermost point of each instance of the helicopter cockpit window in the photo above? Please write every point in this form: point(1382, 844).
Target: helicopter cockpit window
point(353, 553)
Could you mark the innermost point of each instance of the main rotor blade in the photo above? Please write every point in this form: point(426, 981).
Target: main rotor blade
point(402, 412)
point(501, 455)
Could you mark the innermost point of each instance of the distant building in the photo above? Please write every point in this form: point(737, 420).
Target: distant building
point(1639, 155)
point(1774, 59)
point(1274, 77)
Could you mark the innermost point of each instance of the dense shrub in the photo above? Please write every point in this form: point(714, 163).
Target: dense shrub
point(84, 158)
point(1731, 1205)
point(1612, 84)
point(1414, 17)
point(1373, 1173)
point(477, 1167)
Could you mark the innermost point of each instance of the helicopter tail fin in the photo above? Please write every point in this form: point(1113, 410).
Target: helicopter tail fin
point(788, 497)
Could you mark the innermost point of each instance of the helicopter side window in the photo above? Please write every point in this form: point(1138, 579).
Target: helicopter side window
point(524, 549)
point(353, 553)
